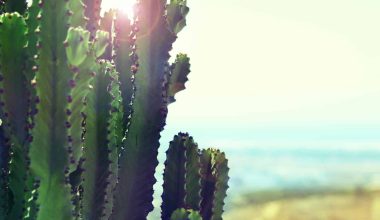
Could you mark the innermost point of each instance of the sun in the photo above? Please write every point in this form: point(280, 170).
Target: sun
point(125, 6)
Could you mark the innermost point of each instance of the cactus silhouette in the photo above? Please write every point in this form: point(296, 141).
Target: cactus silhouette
point(83, 99)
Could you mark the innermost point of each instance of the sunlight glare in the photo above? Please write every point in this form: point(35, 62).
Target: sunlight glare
point(126, 6)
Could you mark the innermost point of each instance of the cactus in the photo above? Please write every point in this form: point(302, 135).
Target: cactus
point(194, 179)
point(214, 181)
point(184, 214)
point(83, 99)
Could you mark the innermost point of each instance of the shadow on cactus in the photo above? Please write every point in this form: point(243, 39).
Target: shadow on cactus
point(83, 99)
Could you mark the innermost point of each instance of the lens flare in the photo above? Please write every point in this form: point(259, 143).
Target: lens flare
point(126, 6)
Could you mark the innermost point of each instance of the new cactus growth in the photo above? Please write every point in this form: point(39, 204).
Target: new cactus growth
point(183, 214)
point(83, 99)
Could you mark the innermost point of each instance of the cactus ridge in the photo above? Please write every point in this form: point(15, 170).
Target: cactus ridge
point(115, 136)
point(126, 62)
point(177, 77)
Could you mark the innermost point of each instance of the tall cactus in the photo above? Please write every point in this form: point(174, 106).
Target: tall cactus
point(83, 99)
point(135, 190)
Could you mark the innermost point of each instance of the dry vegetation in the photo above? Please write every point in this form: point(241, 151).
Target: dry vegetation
point(357, 205)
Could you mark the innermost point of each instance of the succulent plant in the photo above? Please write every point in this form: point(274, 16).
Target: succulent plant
point(83, 99)
point(193, 179)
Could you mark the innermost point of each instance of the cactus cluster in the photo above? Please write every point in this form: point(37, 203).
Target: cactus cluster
point(194, 179)
point(83, 99)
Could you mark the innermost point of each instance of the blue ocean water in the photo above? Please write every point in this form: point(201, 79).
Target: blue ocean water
point(255, 169)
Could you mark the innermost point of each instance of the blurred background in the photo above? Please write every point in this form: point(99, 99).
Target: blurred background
point(290, 91)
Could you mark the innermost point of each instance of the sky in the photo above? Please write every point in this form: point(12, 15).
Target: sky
point(280, 71)
point(275, 70)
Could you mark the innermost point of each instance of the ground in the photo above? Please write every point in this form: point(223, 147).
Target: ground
point(353, 205)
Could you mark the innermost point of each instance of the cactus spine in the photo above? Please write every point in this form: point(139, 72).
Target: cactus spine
point(83, 99)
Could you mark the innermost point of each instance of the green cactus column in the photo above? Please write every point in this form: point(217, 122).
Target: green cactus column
point(137, 164)
point(103, 139)
point(15, 100)
point(92, 12)
point(125, 61)
point(214, 173)
point(182, 185)
point(49, 153)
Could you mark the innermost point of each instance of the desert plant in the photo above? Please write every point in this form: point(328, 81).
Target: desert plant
point(194, 179)
point(82, 104)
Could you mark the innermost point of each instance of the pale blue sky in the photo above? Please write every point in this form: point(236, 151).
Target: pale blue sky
point(294, 65)
point(283, 69)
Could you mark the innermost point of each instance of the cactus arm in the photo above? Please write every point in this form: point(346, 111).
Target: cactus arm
point(183, 214)
point(99, 147)
point(174, 177)
point(92, 12)
point(176, 15)
point(82, 55)
point(180, 69)
point(208, 184)
point(154, 41)
point(48, 152)
point(77, 51)
point(16, 6)
point(106, 24)
point(115, 136)
point(221, 184)
point(76, 10)
point(14, 85)
point(214, 183)
point(181, 176)
point(125, 61)
point(193, 178)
